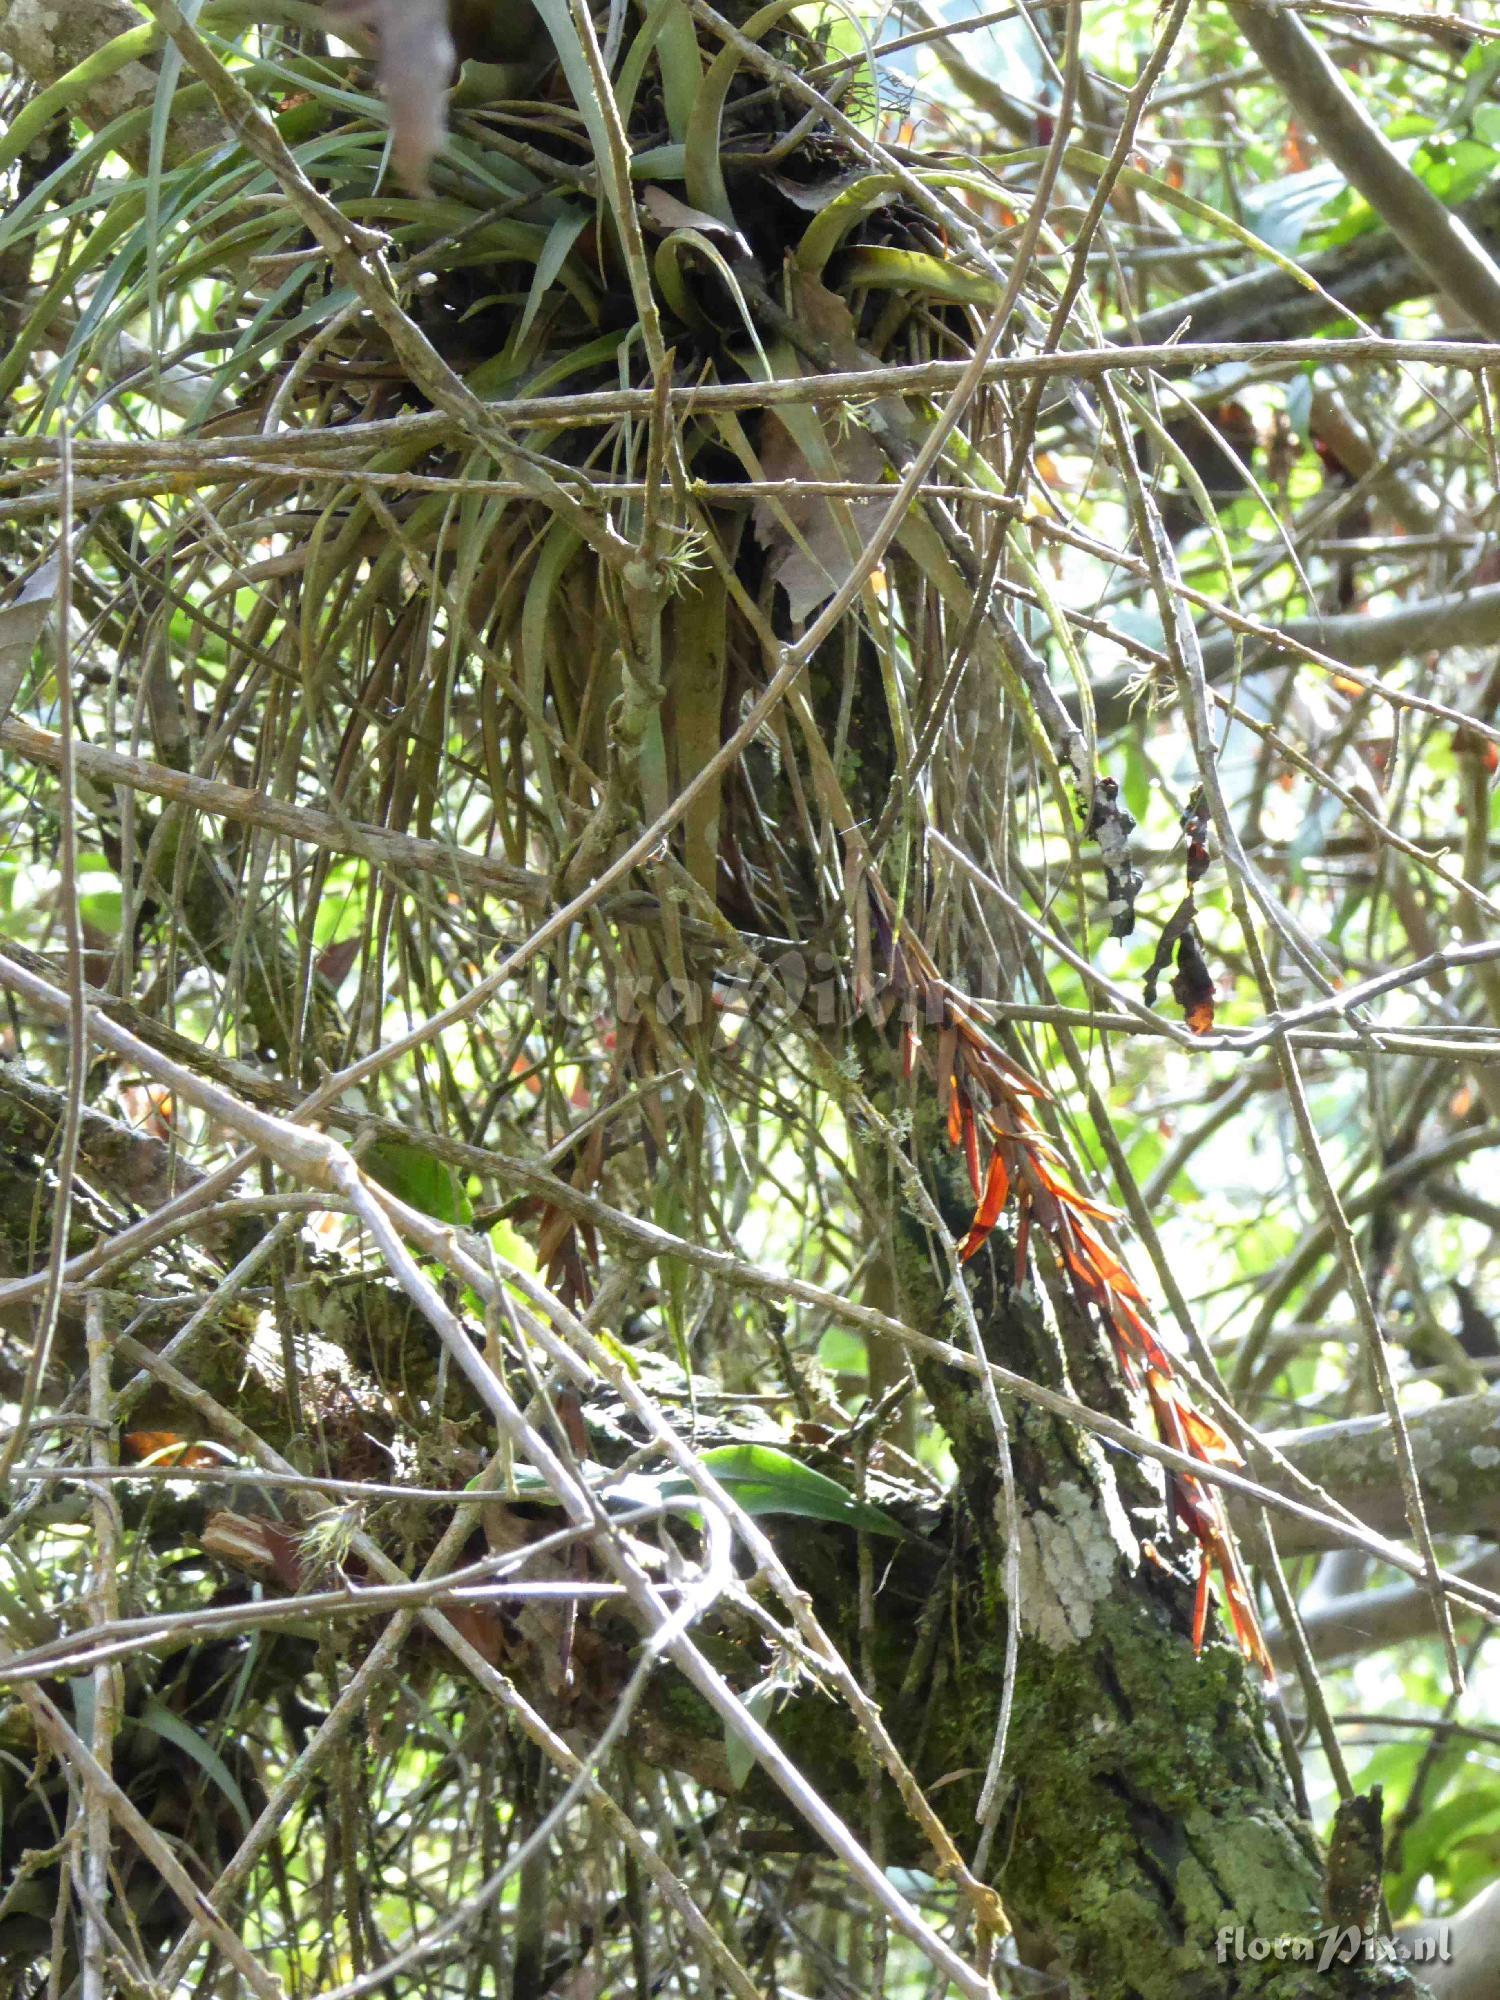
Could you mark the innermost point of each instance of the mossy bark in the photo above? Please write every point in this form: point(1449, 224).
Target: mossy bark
point(1147, 1814)
point(1150, 1829)
point(1150, 1841)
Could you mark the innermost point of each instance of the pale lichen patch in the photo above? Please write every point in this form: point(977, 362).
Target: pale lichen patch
point(1069, 1551)
point(46, 41)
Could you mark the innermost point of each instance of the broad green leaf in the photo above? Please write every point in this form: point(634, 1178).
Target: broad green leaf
point(1282, 211)
point(1470, 1816)
point(763, 1479)
point(161, 1721)
point(842, 1351)
point(761, 1702)
point(760, 1478)
point(414, 1176)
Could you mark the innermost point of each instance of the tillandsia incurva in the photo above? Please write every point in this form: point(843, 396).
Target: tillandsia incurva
point(986, 1098)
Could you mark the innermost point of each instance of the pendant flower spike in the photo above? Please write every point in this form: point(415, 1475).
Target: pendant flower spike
point(986, 1097)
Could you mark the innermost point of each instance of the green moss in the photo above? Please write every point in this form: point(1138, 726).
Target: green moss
point(1148, 1808)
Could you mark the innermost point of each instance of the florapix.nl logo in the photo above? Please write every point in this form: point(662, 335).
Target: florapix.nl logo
point(1339, 1944)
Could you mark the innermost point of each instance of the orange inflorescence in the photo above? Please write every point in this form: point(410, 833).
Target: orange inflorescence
point(987, 1097)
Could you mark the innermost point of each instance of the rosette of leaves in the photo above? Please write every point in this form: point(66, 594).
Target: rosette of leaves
point(563, 566)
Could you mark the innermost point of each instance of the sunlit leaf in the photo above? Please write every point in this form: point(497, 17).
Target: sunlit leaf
point(763, 1479)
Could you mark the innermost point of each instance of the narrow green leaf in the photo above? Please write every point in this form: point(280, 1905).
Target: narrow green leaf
point(422, 1182)
point(705, 171)
point(852, 204)
point(160, 1720)
point(763, 1479)
point(914, 271)
point(34, 118)
point(740, 1757)
point(561, 237)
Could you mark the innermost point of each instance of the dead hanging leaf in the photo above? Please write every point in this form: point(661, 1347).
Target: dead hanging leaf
point(1192, 983)
point(21, 624)
point(416, 68)
point(1161, 958)
point(815, 195)
point(810, 550)
point(483, 1628)
point(826, 318)
point(251, 1542)
point(334, 960)
point(1193, 986)
point(1195, 826)
point(668, 213)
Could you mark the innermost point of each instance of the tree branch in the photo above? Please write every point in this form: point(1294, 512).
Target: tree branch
point(1472, 1970)
point(1465, 618)
point(1437, 240)
point(1456, 1446)
point(131, 1166)
point(1366, 277)
point(62, 40)
point(1360, 1622)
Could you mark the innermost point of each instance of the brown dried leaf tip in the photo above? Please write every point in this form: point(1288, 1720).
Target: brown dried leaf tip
point(1193, 983)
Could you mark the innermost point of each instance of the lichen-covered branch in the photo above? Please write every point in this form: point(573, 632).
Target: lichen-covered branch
point(1456, 1445)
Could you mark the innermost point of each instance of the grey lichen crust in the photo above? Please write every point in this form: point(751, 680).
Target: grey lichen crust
point(45, 39)
point(1069, 1549)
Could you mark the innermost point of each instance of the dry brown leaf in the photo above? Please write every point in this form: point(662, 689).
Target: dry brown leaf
point(816, 195)
point(21, 623)
point(810, 553)
point(667, 212)
point(251, 1542)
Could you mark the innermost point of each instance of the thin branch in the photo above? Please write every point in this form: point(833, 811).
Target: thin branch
point(1432, 234)
point(1357, 639)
